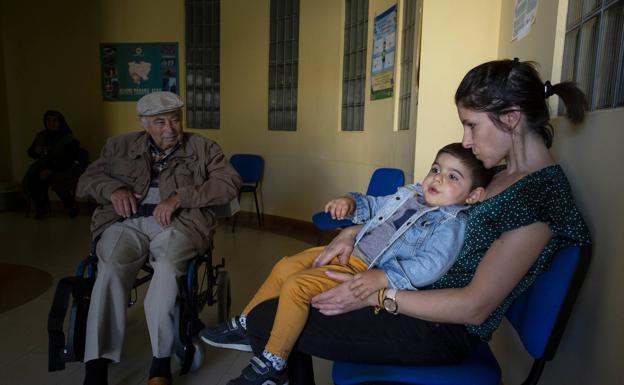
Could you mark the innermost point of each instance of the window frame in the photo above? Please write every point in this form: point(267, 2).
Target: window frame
point(579, 15)
point(409, 63)
point(354, 65)
point(203, 67)
point(283, 76)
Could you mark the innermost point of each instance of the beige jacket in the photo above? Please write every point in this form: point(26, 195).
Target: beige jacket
point(197, 172)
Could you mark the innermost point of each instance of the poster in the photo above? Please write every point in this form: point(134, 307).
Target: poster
point(384, 48)
point(524, 17)
point(132, 70)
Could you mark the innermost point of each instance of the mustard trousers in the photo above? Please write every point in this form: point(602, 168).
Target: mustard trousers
point(295, 282)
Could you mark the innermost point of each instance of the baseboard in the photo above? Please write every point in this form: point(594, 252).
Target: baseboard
point(294, 228)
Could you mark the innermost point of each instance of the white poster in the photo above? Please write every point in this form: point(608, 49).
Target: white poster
point(524, 17)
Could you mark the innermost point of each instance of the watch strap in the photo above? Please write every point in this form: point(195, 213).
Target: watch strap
point(390, 296)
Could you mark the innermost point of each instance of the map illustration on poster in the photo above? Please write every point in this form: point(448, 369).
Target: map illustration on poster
point(131, 70)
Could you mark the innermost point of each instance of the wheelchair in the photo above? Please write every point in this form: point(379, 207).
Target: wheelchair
point(203, 284)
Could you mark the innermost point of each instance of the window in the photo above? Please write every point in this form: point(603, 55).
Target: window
point(593, 53)
point(354, 64)
point(283, 65)
point(407, 63)
point(203, 78)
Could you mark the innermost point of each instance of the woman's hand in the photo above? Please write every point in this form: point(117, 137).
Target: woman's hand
point(369, 282)
point(340, 299)
point(339, 208)
point(341, 247)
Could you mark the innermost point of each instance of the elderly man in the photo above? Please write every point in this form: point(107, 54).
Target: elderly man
point(153, 188)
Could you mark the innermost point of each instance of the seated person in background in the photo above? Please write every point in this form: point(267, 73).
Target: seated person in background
point(410, 240)
point(55, 151)
point(153, 188)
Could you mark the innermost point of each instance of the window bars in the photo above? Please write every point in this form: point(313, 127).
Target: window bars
point(407, 63)
point(283, 65)
point(354, 64)
point(203, 78)
point(594, 51)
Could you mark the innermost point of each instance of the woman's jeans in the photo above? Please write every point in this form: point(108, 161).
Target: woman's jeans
point(363, 337)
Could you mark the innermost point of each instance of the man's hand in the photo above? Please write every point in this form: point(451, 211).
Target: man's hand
point(163, 212)
point(368, 282)
point(339, 208)
point(124, 201)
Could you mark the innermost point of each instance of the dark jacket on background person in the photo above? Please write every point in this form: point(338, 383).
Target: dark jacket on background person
point(56, 150)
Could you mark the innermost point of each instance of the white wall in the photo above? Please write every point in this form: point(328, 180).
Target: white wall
point(305, 168)
point(457, 35)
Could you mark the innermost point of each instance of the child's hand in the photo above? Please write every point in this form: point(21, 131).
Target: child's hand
point(368, 282)
point(340, 207)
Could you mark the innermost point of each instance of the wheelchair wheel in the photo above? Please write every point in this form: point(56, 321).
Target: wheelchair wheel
point(185, 345)
point(201, 285)
point(199, 355)
point(224, 296)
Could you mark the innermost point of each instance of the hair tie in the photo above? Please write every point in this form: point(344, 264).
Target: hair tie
point(548, 89)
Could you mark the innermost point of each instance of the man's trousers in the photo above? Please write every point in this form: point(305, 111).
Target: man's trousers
point(122, 250)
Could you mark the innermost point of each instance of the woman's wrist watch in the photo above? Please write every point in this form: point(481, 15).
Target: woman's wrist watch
point(389, 302)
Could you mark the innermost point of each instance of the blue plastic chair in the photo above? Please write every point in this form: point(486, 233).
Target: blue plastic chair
point(384, 181)
point(250, 167)
point(539, 316)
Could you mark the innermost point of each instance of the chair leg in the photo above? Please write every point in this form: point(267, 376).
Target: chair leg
point(257, 209)
point(236, 215)
point(536, 371)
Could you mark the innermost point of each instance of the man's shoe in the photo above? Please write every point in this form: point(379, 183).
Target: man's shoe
point(159, 381)
point(261, 372)
point(229, 335)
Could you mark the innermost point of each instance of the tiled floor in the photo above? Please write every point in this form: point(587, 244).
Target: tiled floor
point(57, 244)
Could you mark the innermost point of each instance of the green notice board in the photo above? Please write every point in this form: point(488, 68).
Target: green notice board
point(131, 70)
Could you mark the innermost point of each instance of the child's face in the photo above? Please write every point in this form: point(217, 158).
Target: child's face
point(448, 182)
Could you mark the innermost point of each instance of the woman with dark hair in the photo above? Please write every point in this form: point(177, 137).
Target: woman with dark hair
point(510, 239)
point(55, 151)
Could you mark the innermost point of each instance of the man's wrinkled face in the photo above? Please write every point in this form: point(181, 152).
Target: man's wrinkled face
point(165, 129)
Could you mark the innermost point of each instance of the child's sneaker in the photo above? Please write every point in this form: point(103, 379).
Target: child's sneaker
point(261, 372)
point(229, 335)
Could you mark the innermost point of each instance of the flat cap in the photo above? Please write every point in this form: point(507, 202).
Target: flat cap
point(158, 103)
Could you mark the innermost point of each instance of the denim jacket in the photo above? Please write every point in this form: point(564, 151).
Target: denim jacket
point(423, 248)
